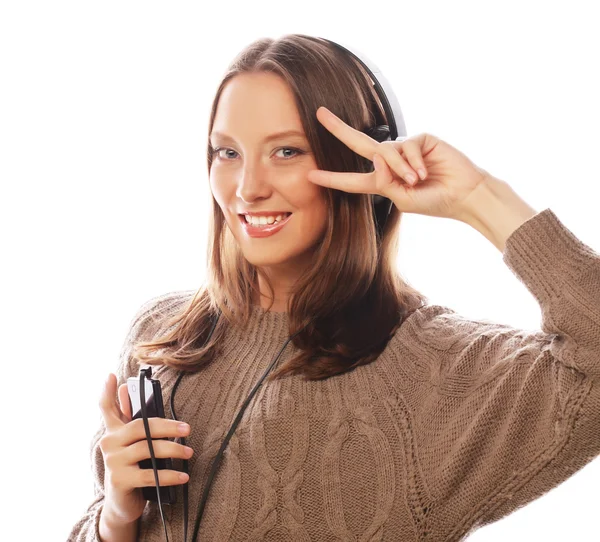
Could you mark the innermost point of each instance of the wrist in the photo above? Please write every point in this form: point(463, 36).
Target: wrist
point(113, 527)
point(495, 210)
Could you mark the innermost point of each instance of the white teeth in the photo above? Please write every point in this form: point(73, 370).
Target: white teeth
point(264, 220)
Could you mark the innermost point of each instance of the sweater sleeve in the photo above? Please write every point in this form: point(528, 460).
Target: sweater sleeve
point(514, 413)
point(141, 328)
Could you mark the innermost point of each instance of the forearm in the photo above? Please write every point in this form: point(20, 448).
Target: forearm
point(495, 210)
point(111, 530)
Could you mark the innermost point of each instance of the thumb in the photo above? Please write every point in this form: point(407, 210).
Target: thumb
point(111, 413)
point(125, 403)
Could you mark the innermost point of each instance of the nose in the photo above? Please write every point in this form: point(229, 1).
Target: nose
point(253, 181)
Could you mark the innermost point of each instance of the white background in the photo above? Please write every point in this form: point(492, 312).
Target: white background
point(103, 117)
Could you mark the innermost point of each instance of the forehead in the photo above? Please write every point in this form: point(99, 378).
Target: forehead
point(256, 105)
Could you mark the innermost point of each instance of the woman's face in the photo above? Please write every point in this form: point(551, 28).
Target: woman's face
point(253, 171)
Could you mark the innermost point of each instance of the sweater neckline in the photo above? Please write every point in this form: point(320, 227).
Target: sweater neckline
point(258, 308)
point(274, 325)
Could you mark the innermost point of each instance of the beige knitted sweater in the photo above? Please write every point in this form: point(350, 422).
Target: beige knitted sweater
point(457, 424)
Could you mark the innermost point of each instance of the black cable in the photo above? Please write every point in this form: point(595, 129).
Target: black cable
point(217, 460)
point(143, 373)
point(147, 372)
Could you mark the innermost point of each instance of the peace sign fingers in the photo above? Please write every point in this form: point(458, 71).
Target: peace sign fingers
point(366, 146)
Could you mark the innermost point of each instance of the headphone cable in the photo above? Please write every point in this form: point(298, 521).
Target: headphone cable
point(147, 372)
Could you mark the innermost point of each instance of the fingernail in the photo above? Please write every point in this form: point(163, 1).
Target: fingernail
point(183, 428)
point(411, 178)
point(421, 173)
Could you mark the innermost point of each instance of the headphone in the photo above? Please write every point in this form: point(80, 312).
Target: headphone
point(382, 207)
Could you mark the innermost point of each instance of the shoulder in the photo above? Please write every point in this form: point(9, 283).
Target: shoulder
point(438, 345)
point(154, 311)
point(440, 328)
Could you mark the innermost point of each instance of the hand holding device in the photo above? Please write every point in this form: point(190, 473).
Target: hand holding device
point(154, 409)
point(124, 445)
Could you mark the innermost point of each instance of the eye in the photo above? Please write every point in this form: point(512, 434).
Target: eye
point(217, 150)
point(297, 151)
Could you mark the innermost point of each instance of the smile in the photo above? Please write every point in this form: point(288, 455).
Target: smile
point(263, 230)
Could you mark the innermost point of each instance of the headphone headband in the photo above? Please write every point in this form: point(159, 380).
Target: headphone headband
point(396, 128)
point(383, 89)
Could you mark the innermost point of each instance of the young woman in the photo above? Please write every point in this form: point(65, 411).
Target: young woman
point(386, 417)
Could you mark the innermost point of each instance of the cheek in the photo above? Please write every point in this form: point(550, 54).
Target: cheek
point(303, 194)
point(313, 204)
point(317, 201)
point(219, 190)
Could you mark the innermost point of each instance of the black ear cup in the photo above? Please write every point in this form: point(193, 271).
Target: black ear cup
point(379, 133)
point(381, 204)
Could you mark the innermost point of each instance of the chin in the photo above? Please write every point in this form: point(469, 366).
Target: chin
point(275, 258)
point(266, 260)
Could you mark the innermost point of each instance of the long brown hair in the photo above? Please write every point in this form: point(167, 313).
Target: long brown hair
point(352, 299)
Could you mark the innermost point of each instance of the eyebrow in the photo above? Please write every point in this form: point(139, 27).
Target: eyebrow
point(276, 135)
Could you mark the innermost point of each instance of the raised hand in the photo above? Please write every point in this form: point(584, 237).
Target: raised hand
point(446, 186)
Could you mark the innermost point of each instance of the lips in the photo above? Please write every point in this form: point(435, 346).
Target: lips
point(264, 230)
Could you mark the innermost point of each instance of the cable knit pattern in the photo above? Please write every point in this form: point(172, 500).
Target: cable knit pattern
point(458, 422)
